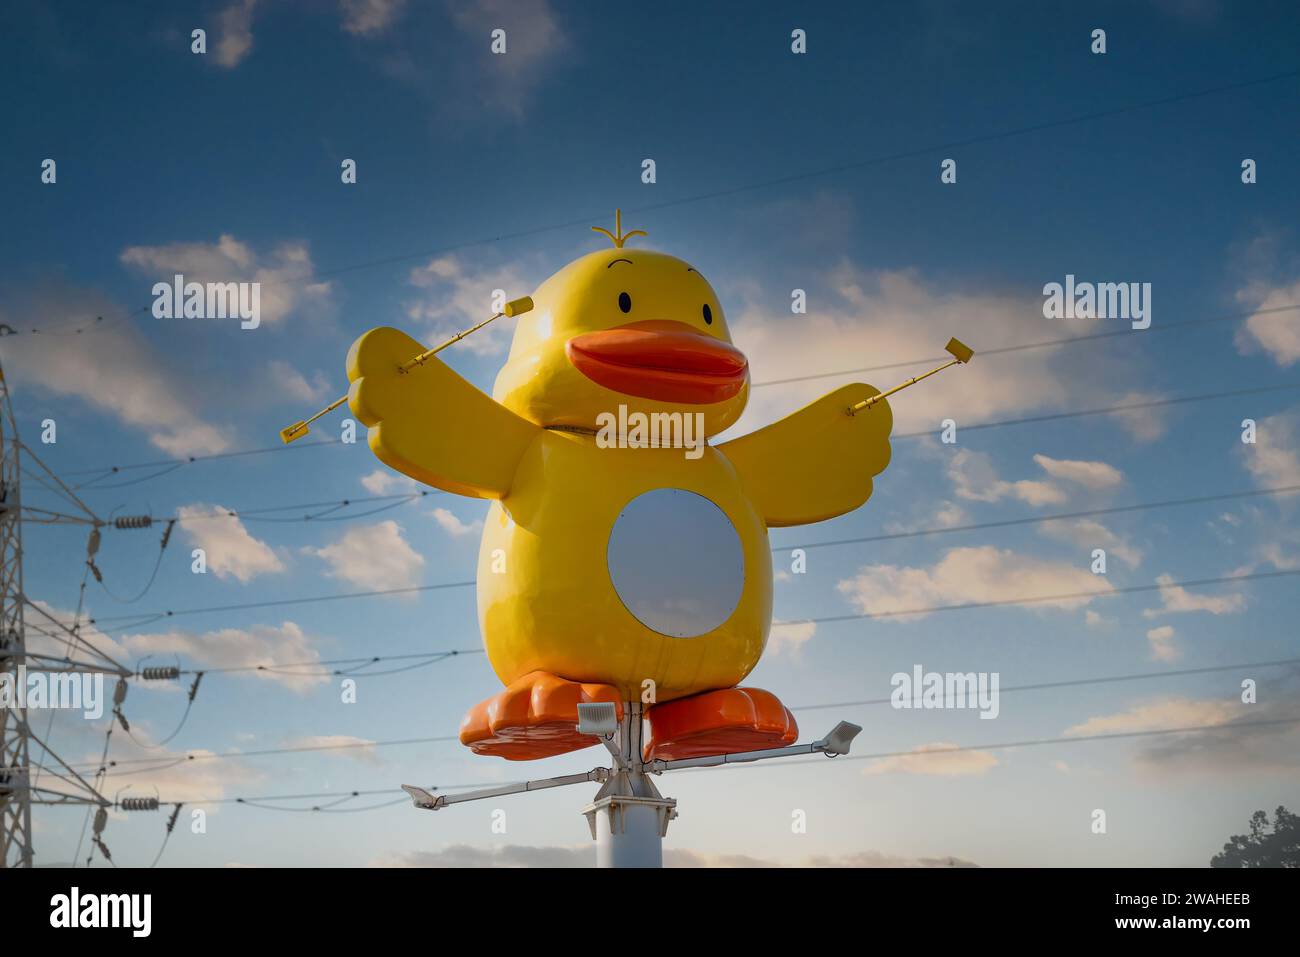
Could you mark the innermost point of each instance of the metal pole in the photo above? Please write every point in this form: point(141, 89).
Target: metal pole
point(629, 817)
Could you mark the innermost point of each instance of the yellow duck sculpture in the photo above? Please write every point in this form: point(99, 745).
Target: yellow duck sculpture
point(608, 572)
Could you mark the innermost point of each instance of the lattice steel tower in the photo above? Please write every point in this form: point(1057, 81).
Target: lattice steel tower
point(15, 795)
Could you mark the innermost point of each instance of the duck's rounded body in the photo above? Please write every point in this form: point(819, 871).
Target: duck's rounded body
point(620, 571)
point(547, 599)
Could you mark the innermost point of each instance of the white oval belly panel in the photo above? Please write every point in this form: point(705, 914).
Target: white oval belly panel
point(676, 562)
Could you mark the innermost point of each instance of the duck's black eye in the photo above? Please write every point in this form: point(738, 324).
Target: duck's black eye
point(625, 302)
point(708, 315)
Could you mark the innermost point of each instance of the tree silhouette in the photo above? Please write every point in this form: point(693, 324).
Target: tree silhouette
point(1279, 847)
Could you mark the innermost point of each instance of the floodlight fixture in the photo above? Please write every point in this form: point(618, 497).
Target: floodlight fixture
point(598, 718)
point(839, 740)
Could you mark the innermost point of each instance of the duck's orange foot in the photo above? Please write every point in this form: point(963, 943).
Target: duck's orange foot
point(719, 722)
point(535, 717)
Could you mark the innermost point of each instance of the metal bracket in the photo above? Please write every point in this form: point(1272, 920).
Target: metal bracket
point(837, 742)
point(617, 805)
point(428, 801)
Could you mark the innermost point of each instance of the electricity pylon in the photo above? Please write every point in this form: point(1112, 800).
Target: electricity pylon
point(15, 789)
point(19, 790)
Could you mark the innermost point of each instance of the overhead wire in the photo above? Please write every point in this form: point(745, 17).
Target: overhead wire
point(1041, 519)
point(861, 163)
point(1234, 727)
point(1101, 593)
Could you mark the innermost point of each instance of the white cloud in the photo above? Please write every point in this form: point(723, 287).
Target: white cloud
point(385, 481)
point(1174, 712)
point(974, 478)
point(191, 776)
point(453, 525)
point(1090, 534)
point(261, 646)
point(47, 638)
point(534, 42)
point(1274, 459)
point(1275, 554)
point(1178, 599)
point(1093, 475)
point(295, 385)
point(455, 297)
point(231, 551)
point(115, 371)
point(969, 575)
point(346, 745)
point(1238, 743)
point(946, 515)
point(894, 317)
point(372, 556)
point(949, 515)
point(366, 17)
point(1275, 333)
point(286, 274)
point(790, 636)
point(1145, 425)
point(1162, 644)
point(235, 29)
point(584, 855)
point(941, 758)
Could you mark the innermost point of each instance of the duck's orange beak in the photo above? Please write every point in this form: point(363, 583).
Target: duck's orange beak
point(662, 360)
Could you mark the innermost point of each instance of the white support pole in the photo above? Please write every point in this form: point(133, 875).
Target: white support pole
point(629, 817)
point(629, 830)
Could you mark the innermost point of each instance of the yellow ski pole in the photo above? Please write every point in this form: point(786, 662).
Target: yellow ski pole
point(514, 307)
point(961, 354)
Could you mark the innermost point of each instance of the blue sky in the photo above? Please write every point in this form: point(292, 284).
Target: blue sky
point(227, 166)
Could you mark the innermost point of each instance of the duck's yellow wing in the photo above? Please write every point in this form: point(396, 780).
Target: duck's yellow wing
point(815, 463)
point(431, 424)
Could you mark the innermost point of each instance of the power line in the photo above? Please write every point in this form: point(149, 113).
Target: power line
point(1079, 682)
point(466, 584)
point(1068, 596)
point(1107, 410)
point(191, 459)
point(356, 662)
point(325, 510)
point(275, 603)
point(172, 761)
point(1126, 407)
point(864, 163)
point(250, 801)
point(1037, 519)
point(1044, 344)
point(1035, 742)
point(353, 665)
point(398, 499)
point(266, 752)
point(999, 746)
